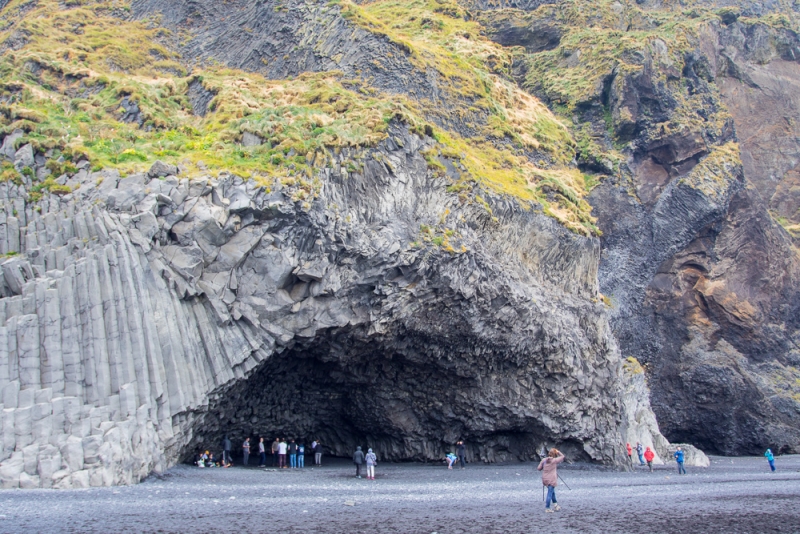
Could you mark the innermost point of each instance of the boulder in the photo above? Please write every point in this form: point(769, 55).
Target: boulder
point(160, 169)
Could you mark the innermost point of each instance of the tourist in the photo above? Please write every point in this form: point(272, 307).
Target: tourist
point(770, 459)
point(212, 462)
point(246, 452)
point(639, 452)
point(630, 453)
point(648, 456)
point(679, 458)
point(318, 453)
point(358, 459)
point(301, 455)
point(226, 451)
point(549, 468)
point(450, 459)
point(262, 453)
point(372, 461)
point(282, 454)
point(199, 461)
point(275, 448)
point(461, 451)
point(293, 454)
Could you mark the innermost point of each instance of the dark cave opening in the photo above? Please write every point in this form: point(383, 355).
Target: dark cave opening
point(347, 391)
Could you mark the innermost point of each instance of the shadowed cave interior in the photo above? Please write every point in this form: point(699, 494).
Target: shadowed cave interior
point(345, 392)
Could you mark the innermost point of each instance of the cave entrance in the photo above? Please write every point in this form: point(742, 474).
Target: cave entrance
point(346, 390)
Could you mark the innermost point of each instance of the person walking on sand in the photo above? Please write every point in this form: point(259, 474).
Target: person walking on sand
point(275, 448)
point(246, 452)
point(549, 468)
point(262, 453)
point(649, 455)
point(461, 452)
point(358, 459)
point(318, 454)
point(771, 459)
point(630, 453)
point(679, 458)
point(639, 451)
point(372, 461)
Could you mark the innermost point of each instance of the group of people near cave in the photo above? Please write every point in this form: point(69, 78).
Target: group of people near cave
point(280, 448)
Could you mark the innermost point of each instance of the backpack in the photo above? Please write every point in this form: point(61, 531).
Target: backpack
point(301, 449)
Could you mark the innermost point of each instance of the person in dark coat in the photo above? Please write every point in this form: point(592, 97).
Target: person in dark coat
point(226, 451)
point(358, 459)
point(318, 454)
point(461, 451)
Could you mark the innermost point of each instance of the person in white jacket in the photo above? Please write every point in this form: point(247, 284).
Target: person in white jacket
point(372, 461)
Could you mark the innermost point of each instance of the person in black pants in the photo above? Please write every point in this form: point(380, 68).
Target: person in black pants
point(461, 451)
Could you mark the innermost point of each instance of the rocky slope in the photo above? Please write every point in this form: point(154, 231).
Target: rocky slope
point(150, 314)
point(369, 230)
point(691, 119)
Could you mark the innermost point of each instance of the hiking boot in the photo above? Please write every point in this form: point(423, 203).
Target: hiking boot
point(556, 507)
point(548, 510)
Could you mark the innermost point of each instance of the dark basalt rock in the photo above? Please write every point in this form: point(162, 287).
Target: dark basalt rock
point(385, 310)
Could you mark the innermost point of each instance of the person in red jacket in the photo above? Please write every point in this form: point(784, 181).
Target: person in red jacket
point(649, 455)
point(630, 452)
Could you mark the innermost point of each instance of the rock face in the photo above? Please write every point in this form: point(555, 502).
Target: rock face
point(697, 142)
point(712, 265)
point(147, 315)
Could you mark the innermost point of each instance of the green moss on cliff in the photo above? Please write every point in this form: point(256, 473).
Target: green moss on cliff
point(68, 72)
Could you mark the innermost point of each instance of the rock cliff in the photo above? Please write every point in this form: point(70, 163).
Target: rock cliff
point(394, 223)
point(151, 314)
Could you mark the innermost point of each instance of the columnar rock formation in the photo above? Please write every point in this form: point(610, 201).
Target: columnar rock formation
point(150, 314)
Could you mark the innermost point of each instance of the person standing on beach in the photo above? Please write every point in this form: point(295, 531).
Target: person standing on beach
point(679, 458)
point(639, 451)
point(648, 456)
point(275, 448)
point(246, 452)
point(318, 454)
point(771, 459)
point(372, 461)
point(282, 454)
point(226, 451)
point(262, 453)
point(358, 459)
point(301, 455)
point(461, 451)
point(549, 468)
point(630, 453)
point(293, 454)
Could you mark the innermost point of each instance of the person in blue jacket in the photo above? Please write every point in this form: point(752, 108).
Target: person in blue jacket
point(770, 459)
point(679, 458)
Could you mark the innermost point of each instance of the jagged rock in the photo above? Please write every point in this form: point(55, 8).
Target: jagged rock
point(8, 149)
point(251, 139)
point(159, 168)
point(214, 319)
point(24, 157)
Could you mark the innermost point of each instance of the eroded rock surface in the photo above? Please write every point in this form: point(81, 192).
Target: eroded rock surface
point(150, 314)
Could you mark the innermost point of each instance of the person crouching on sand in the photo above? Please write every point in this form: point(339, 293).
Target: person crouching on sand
point(450, 459)
point(548, 466)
